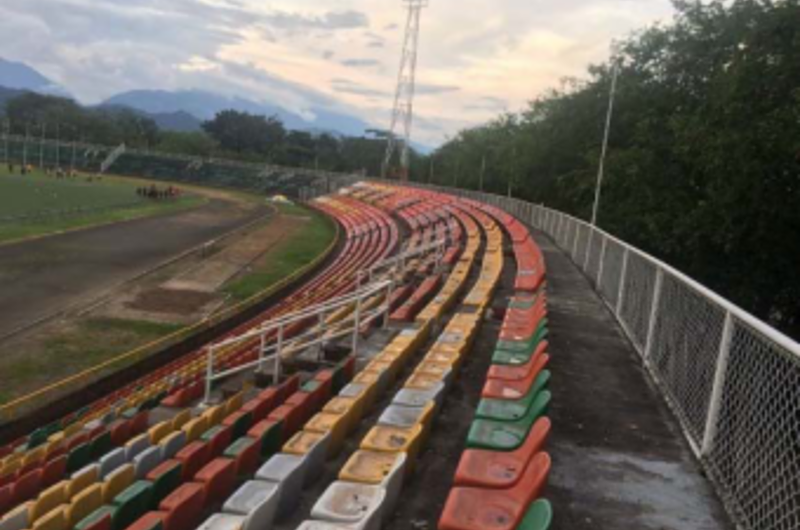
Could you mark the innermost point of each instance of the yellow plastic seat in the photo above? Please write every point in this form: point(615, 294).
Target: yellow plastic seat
point(369, 467)
point(50, 499)
point(159, 431)
point(213, 415)
point(435, 369)
point(352, 409)
point(421, 381)
point(85, 503)
point(117, 481)
point(394, 440)
point(34, 455)
point(194, 428)
point(302, 442)
point(83, 479)
point(234, 403)
point(180, 419)
point(335, 424)
point(53, 520)
point(370, 382)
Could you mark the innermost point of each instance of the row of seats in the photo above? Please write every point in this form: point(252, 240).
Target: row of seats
point(276, 486)
point(370, 483)
point(181, 382)
point(503, 471)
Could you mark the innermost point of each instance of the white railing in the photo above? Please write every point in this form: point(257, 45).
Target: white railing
point(732, 380)
point(360, 308)
point(395, 266)
point(112, 157)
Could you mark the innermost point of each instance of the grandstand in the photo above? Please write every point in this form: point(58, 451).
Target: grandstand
point(321, 412)
point(92, 158)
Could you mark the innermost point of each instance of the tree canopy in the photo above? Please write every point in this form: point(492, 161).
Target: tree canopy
point(703, 168)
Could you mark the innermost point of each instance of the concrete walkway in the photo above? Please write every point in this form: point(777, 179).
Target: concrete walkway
point(619, 459)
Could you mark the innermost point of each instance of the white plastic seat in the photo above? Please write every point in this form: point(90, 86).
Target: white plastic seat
point(18, 518)
point(223, 521)
point(360, 506)
point(407, 397)
point(171, 444)
point(146, 461)
point(289, 472)
point(111, 461)
point(257, 501)
point(135, 447)
point(401, 416)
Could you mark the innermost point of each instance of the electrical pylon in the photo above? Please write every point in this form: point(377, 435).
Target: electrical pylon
point(403, 110)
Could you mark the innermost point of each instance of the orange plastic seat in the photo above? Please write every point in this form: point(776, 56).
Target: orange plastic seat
point(513, 390)
point(498, 469)
point(495, 509)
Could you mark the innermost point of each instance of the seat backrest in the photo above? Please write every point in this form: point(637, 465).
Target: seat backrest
point(27, 486)
point(533, 481)
point(171, 444)
point(112, 461)
point(82, 479)
point(117, 481)
point(135, 446)
point(50, 498)
point(146, 461)
point(85, 503)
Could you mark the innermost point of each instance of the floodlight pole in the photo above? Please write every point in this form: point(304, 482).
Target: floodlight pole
point(74, 149)
point(58, 146)
point(609, 115)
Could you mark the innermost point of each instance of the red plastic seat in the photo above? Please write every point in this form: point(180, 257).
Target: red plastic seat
point(326, 378)
point(259, 408)
point(248, 457)
point(288, 387)
point(139, 423)
point(218, 478)
point(193, 457)
point(6, 498)
point(291, 418)
point(307, 402)
point(513, 390)
point(220, 440)
point(54, 470)
point(495, 509)
point(120, 431)
point(27, 486)
point(183, 507)
point(519, 372)
point(498, 469)
point(270, 398)
point(150, 521)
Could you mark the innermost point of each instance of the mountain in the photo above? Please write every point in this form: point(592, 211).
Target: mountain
point(176, 121)
point(204, 105)
point(7, 94)
point(22, 77)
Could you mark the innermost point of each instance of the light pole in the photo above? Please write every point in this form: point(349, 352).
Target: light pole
point(7, 130)
point(58, 146)
point(25, 148)
point(603, 152)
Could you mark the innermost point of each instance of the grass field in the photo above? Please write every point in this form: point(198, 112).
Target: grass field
point(288, 256)
point(38, 204)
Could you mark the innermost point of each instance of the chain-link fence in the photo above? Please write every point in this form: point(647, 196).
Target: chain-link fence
point(732, 381)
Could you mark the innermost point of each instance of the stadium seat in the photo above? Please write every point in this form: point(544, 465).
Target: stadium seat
point(289, 472)
point(183, 508)
point(495, 509)
point(538, 517)
point(512, 410)
point(192, 457)
point(352, 504)
point(499, 469)
point(218, 478)
point(505, 389)
point(506, 435)
point(165, 478)
point(257, 502)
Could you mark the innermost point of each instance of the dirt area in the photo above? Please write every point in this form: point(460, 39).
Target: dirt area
point(180, 293)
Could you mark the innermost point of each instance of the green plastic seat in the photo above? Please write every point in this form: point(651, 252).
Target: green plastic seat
point(526, 345)
point(240, 425)
point(165, 478)
point(538, 517)
point(512, 410)
point(101, 445)
point(497, 435)
point(310, 386)
point(516, 303)
point(271, 436)
point(133, 502)
point(98, 514)
point(130, 413)
point(521, 355)
point(79, 457)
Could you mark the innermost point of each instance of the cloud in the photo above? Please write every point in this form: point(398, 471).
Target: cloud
point(361, 63)
point(487, 103)
point(348, 87)
point(328, 54)
point(328, 21)
point(426, 89)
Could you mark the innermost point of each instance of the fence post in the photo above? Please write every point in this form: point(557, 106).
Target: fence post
point(276, 375)
point(356, 327)
point(651, 324)
point(209, 373)
point(715, 403)
point(575, 242)
point(601, 265)
point(622, 274)
point(261, 351)
point(589, 245)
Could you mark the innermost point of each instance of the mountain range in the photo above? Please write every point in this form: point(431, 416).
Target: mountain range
point(182, 110)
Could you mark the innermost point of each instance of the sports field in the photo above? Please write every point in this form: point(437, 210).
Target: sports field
point(37, 204)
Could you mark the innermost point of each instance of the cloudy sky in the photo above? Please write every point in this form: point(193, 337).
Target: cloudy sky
point(478, 57)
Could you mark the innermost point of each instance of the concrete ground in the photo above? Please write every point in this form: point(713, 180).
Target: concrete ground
point(619, 458)
point(42, 276)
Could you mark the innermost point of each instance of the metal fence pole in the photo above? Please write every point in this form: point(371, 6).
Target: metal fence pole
point(601, 265)
point(261, 351)
point(715, 403)
point(276, 375)
point(622, 274)
point(209, 373)
point(651, 324)
point(356, 327)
